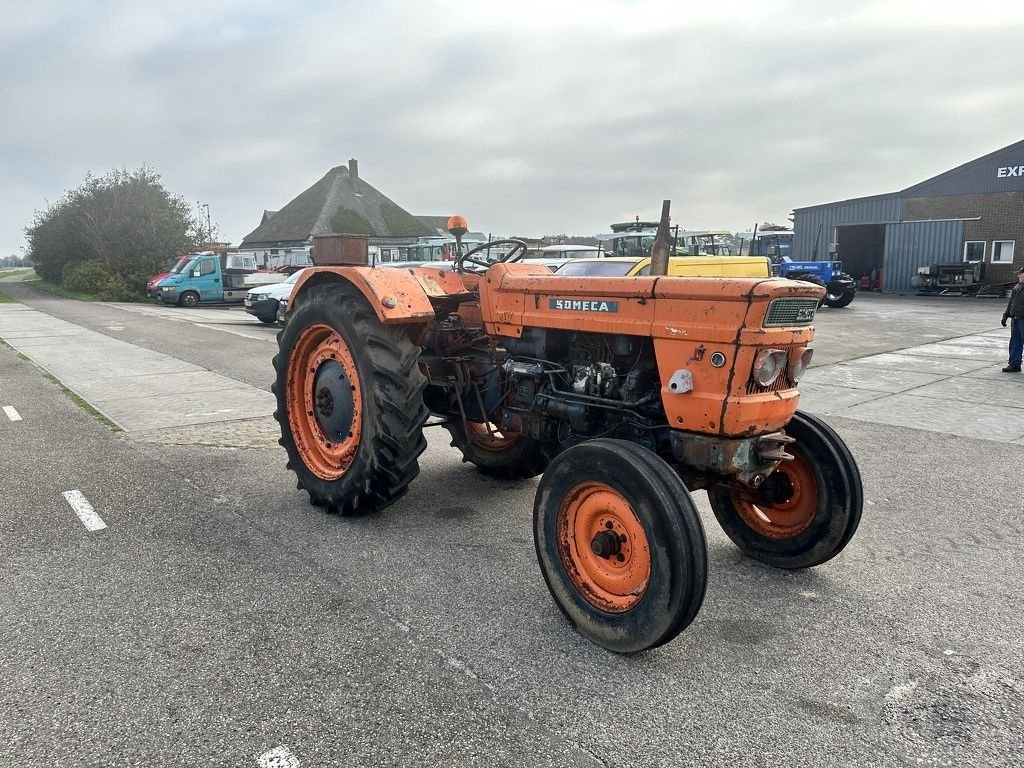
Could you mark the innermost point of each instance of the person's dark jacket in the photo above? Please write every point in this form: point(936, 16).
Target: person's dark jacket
point(1015, 306)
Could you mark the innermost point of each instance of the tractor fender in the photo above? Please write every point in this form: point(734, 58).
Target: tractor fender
point(396, 295)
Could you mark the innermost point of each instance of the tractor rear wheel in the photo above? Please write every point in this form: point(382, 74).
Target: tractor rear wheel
point(349, 402)
point(506, 456)
point(806, 511)
point(620, 544)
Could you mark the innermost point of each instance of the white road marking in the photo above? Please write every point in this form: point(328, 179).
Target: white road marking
point(279, 757)
point(12, 414)
point(260, 337)
point(84, 510)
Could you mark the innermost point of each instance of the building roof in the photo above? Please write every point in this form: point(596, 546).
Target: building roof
point(971, 177)
point(437, 223)
point(339, 203)
point(967, 175)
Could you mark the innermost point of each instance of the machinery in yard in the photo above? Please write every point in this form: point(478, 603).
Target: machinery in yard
point(840, 288)
point(625, 394)
point(958, 278)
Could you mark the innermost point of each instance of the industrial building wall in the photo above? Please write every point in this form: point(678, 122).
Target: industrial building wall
point(1000, 216)
point(914, 244)
point(813, 228)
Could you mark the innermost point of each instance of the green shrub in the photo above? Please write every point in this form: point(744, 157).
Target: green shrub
point(85, 276)
point(114, 288)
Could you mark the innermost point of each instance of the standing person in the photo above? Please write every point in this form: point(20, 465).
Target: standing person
point(1015, 314)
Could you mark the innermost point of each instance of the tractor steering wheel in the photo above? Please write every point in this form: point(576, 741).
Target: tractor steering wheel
point(518, 249)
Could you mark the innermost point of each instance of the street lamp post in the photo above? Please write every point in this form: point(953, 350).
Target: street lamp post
point(209, 229)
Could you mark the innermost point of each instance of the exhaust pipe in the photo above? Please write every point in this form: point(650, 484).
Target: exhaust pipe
point(659, 251)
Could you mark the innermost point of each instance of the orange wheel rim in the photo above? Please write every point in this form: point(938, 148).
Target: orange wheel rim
point(791, 506)
point(325, 408)
point(489, 437)
point(603, 547)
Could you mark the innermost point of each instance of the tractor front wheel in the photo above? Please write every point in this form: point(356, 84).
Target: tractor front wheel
point(506, 456)
point(349, 402)
point(806, 511)
point(620, 544)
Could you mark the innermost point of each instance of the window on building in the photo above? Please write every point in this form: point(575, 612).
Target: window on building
point(974, 250)
point(1002, 251)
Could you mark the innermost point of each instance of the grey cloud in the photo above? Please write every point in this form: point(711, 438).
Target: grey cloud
point(526, 130)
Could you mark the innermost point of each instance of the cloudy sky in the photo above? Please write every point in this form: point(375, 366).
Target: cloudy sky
point(527, 117)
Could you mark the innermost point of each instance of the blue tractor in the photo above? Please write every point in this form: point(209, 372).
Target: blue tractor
point(840, 288)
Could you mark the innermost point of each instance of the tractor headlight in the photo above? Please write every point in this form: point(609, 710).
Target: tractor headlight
point(799, 362)
point(768, 366)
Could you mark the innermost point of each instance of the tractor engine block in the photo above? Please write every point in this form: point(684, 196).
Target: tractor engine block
point(568, 385)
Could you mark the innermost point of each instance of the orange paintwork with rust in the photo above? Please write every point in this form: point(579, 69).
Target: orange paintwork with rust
point(688, 319)
point(681, 315)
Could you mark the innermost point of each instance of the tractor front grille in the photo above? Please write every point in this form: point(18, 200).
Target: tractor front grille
point(790, 311)
point(781, 383)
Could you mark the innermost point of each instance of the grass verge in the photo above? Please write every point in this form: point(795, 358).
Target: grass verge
point(5, 299)
point(59, 290)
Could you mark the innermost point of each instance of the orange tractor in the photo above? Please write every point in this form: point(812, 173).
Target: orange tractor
point(625, 394)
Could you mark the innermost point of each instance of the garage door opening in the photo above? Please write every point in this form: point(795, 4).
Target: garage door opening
point(861, 248)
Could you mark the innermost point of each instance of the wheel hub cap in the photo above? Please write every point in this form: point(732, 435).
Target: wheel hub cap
point(335, 404)
point(603, 547)
point(607, 544)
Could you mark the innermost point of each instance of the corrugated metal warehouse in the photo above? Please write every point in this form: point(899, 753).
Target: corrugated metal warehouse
point(974, 213)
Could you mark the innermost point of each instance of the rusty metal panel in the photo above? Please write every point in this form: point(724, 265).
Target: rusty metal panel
point(331, 250)
point(395, 295)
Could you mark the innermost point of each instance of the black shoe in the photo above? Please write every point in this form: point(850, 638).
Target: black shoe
point(1011, 369)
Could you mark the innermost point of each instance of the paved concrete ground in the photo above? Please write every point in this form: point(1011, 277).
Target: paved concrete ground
point(953, 387)
point(136, 388)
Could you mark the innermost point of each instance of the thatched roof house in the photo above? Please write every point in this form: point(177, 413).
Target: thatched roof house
point(340, 203)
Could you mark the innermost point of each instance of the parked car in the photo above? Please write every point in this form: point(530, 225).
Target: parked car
point(264, 303)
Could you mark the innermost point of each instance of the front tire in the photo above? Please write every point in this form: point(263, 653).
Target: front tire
point(806, 511)
point(620, 544)
point(188, 299)
point(349, 402)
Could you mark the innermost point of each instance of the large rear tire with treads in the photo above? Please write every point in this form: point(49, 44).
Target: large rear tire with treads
point(349, 402)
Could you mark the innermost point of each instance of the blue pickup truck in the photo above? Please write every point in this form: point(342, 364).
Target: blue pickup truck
point(208, 277)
